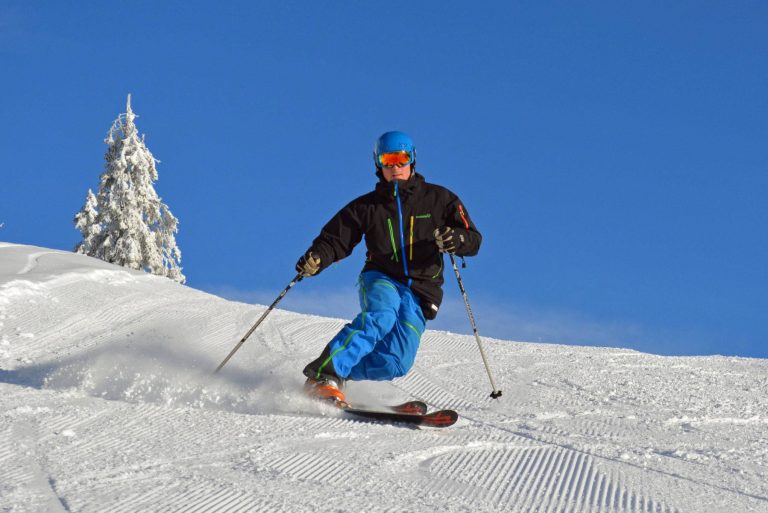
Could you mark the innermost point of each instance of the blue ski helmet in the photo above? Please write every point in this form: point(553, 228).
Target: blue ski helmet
point(391, 142)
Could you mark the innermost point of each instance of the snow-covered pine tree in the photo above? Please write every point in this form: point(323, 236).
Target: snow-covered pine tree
point(86, 222)
point(126, 223)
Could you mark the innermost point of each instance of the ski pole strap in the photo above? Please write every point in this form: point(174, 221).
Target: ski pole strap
point(271, 307)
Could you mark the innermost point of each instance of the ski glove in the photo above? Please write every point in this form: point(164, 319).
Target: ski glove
point(448, 240)
point(308, 264)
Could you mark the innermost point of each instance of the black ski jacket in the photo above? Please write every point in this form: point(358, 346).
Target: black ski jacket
point(398, 219)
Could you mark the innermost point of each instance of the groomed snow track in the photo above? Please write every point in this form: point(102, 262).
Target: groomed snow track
point(109, 405)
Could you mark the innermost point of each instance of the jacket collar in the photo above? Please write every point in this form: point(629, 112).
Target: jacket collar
point(404, 187)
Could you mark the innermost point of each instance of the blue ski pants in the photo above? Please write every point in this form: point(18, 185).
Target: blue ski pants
point(381, 342)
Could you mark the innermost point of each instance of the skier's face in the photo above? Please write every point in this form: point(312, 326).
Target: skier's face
point(396, 173)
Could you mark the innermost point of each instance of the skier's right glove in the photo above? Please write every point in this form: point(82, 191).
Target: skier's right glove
point(448, 239)
point(308, 264)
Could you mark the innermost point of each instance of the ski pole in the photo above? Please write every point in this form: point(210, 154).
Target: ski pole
point(296, 280)
point(496, 393)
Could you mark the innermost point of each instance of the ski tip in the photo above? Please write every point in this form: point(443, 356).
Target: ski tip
point(442, 418)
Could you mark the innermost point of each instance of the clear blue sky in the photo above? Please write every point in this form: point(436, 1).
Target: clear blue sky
point(613, 154)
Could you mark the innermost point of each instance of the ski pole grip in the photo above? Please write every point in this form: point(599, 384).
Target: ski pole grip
point(495, 394)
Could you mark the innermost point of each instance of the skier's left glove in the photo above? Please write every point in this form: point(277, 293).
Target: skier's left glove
point(448, 239)
point(308, 264)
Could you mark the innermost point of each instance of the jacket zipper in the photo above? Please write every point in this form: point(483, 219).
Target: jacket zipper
point(402, 234)
point(410, 248)
point(463, 217)
point(392, 239)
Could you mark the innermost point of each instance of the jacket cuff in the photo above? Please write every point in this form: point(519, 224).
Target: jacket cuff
point(326, 257)
point(466, 243)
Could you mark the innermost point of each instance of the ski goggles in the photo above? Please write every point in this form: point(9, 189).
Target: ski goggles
point(395, 158)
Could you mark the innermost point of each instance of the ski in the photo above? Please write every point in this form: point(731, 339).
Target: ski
point(411, 412)
point(439, 419)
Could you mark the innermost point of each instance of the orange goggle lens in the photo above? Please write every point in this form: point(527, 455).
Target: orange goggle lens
point(397, 158)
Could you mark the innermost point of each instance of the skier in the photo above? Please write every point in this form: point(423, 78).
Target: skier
point(408, 224)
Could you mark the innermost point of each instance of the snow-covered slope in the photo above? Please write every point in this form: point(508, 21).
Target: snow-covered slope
point(108, 405)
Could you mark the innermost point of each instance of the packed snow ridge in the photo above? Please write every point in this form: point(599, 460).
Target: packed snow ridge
point(109, 404)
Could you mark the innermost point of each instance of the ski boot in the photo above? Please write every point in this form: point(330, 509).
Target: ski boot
point(326, 389)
